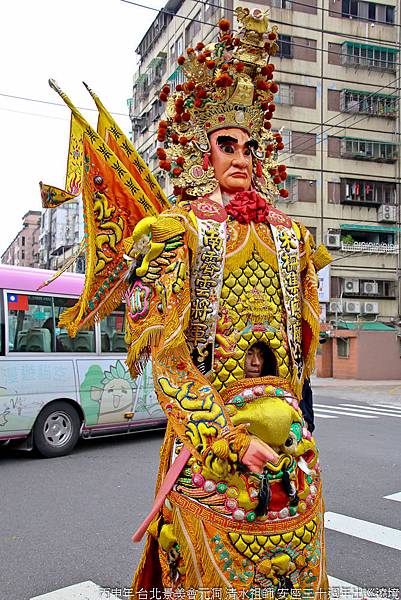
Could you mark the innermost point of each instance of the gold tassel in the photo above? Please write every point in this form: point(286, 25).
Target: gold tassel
point(71, 318)
point(191, 579)
point(195, 537)
point(139, 351)
point(140, 569)
point(322, 257)
point(239, 258)
point(268, 255)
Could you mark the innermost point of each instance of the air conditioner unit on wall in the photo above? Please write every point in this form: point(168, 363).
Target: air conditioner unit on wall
point(387, 213)
point(336, 306)
point(332, 240)
point(370, 308)
point(351, 286)
point(370, 287)
point(353, 308)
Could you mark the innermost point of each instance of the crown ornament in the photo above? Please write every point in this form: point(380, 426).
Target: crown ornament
point(229, 83)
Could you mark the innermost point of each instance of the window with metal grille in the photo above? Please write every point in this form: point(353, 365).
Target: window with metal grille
point(363, 192)
point(369, 57)
point(192, 30)
point(371, 11)
point(368, 150)
point(282, 4)
point(381, 105)
point(285, 48)
point(284, 95)
point(343, 346)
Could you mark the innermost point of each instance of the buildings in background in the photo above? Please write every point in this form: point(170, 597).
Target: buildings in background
point(48, 238)
point(61, 232)
point(24, 249)
point(338, 107)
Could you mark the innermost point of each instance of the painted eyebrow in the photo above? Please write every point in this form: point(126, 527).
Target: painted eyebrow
point(226, 139)
point(252, 144)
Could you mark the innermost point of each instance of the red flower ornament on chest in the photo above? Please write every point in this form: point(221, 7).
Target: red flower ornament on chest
point(248, 206)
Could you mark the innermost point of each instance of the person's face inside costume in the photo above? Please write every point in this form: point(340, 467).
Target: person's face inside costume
point(231, 158)
point(254, 362)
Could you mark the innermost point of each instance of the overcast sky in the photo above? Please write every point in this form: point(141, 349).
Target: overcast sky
point(71, 41)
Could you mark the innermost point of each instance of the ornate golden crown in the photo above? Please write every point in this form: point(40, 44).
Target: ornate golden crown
point(228, 84)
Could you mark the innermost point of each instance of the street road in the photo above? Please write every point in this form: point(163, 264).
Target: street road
point(69, 520)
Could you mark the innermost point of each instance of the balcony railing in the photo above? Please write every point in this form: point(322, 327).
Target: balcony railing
point(369, 247)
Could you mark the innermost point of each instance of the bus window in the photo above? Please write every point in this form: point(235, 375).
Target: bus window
point(84, 341)
point(112, 332)
point(28, 323)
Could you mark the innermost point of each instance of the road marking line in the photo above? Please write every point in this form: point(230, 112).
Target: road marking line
point(388, 407)
point(343, 411)
point(380, 407)
point(371, 410)
point(396, 497)
point(358, 410)
point(364, 530)
point(86, 590)
point(349, 590)
point(324, 416)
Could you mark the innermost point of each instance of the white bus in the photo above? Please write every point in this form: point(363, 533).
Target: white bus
point(54, 388)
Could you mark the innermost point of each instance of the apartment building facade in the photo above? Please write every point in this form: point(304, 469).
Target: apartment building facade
point(338, 109)
point(24, 249)
point(61, 232)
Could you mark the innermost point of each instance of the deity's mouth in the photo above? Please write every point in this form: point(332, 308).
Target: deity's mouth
point(239, 175)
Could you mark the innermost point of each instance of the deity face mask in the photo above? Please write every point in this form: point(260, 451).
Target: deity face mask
point(231, 157)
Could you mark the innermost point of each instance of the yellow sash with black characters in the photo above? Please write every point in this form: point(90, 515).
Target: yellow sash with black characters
point(287, 247)
point(206, 285)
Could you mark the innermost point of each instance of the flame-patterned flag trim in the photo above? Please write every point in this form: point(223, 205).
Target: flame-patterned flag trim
point(113, 203)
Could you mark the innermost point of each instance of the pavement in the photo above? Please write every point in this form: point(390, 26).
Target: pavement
point(385, 394)
point(330, 382)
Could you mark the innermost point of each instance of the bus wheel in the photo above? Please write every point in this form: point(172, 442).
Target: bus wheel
point(56, 430)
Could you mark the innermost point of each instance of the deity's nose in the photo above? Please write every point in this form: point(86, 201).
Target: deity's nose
point(240, 161)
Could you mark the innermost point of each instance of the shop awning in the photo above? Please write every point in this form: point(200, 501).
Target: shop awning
point(158, 60)
point(372, 228)
point(370, 46)
point(365, 326)
point(141, 78)
point(370, 93)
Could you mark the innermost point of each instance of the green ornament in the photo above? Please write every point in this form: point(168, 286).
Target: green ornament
point(238, 401)
point(221, 488)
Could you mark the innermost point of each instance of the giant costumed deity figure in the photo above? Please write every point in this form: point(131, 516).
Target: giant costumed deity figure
point(206, 279)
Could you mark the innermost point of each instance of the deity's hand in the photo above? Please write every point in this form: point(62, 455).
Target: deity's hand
point(258, 454)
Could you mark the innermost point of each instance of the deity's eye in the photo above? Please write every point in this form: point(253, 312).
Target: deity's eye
point(247, 152)
point(227, 148)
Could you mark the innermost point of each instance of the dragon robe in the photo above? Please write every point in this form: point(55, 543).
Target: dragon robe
point(204, 288)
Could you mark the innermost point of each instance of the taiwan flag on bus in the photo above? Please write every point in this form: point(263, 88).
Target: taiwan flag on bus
point(17, 302)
